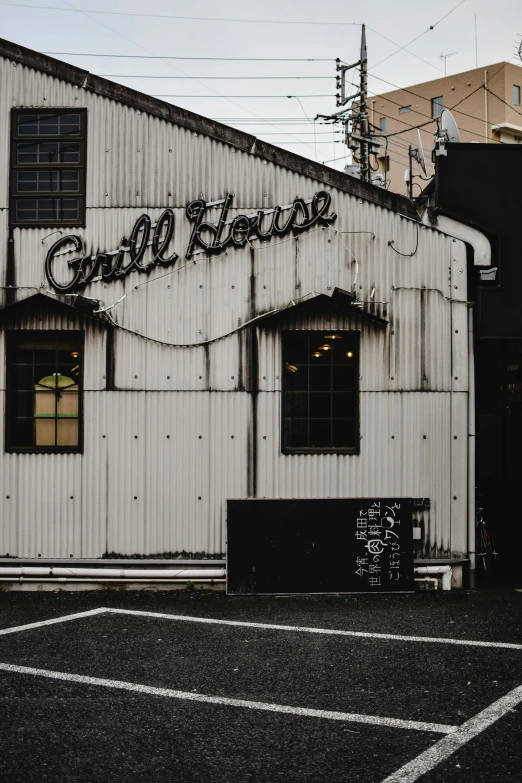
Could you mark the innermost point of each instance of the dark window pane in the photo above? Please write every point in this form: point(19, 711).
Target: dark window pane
point(343, 405)
point(43, 403)
point(296, 404)
point(22, 432)
point(24, 354)
point(437, 105)
point(48, 124)
point(321, 375)
point(28, 124)
point(48, 180)
point(320, 433)
point(47, 209)
point(296, 376)
point(320, 405)
point(22, 377)
point(344, 433)
point(320, 390)
point(343, 377)
point(296, 433)
point(48, 152)
point(296, 345)
point(45, 354)
point(70, 208)
point(22, 403)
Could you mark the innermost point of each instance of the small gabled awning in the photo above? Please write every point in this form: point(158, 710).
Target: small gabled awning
point(339, 300)
point(42, 302)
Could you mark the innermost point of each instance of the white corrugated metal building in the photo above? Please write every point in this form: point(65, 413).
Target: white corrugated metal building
point(170, 420)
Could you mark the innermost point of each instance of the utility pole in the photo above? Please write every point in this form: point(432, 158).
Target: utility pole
point(363, 110)
point(353, 112)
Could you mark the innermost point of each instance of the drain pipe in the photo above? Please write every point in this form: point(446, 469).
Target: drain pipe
point(471, 451)
point(113, 573)
point(478, 241)
point(481, 257)
point(444, 570)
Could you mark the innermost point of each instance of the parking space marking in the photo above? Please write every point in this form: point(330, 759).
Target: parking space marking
point(326, 631)
point(349, 717)
point(445, 747)
point(53, 621)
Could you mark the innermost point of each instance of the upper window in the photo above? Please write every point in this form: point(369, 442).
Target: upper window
point(48, 167)
point(437, 105)
point(382, 124)
point(516, 95)
point(320, 391)
point(404, 109)
point(44, 382)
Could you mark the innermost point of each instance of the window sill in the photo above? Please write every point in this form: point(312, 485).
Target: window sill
point(42, 450)
point(339, 450)
point(48, 224)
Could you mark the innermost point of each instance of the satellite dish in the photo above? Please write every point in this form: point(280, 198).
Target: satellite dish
point(420, 153)
point(448, 126)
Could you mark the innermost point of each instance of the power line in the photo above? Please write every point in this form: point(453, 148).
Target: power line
point(285, 141)
point(305, 133)
point(430, 28)
point(175, 16)
point(134, 43)
point(172, 95)
point(223, 59)
point(222, 78)
point(502, 101)
point(402, 48)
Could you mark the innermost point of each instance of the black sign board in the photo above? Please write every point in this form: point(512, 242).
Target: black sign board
point(320, 546)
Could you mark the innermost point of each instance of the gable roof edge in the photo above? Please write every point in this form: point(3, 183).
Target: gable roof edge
point(211, 128)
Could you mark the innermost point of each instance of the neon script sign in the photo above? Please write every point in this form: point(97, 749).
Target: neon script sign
point(208, 237)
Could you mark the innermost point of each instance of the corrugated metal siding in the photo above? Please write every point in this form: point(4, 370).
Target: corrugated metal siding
point(137, 491)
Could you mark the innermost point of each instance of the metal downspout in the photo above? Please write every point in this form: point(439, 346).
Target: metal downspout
point(471, 450)
point(481, 257)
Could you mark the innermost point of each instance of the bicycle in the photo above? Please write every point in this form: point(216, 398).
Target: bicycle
point(486, 553)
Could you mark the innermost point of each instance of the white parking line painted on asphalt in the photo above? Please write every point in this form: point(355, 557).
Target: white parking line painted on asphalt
point(444, 748)
point(326, 631)
point(349, 717)
point(53, 621)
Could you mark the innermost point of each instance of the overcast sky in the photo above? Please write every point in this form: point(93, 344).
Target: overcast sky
point(332, 34)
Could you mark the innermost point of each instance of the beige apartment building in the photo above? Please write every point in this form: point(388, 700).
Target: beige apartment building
point(487, 116)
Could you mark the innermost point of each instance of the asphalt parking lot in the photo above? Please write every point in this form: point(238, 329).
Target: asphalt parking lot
point(199, 687)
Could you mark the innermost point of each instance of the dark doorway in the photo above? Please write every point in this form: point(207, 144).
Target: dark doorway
point(499, 451)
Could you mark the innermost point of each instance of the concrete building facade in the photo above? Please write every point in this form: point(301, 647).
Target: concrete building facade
point(485, 102)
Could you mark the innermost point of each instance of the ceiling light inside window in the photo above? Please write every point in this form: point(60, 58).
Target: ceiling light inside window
point(317, 354)
point(349, 354)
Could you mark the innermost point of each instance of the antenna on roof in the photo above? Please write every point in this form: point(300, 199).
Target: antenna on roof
point(444, 57)
point(415, 153)
point(418, 154)
point(447, 133)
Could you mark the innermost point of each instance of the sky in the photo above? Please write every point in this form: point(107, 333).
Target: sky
point(255, 96)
